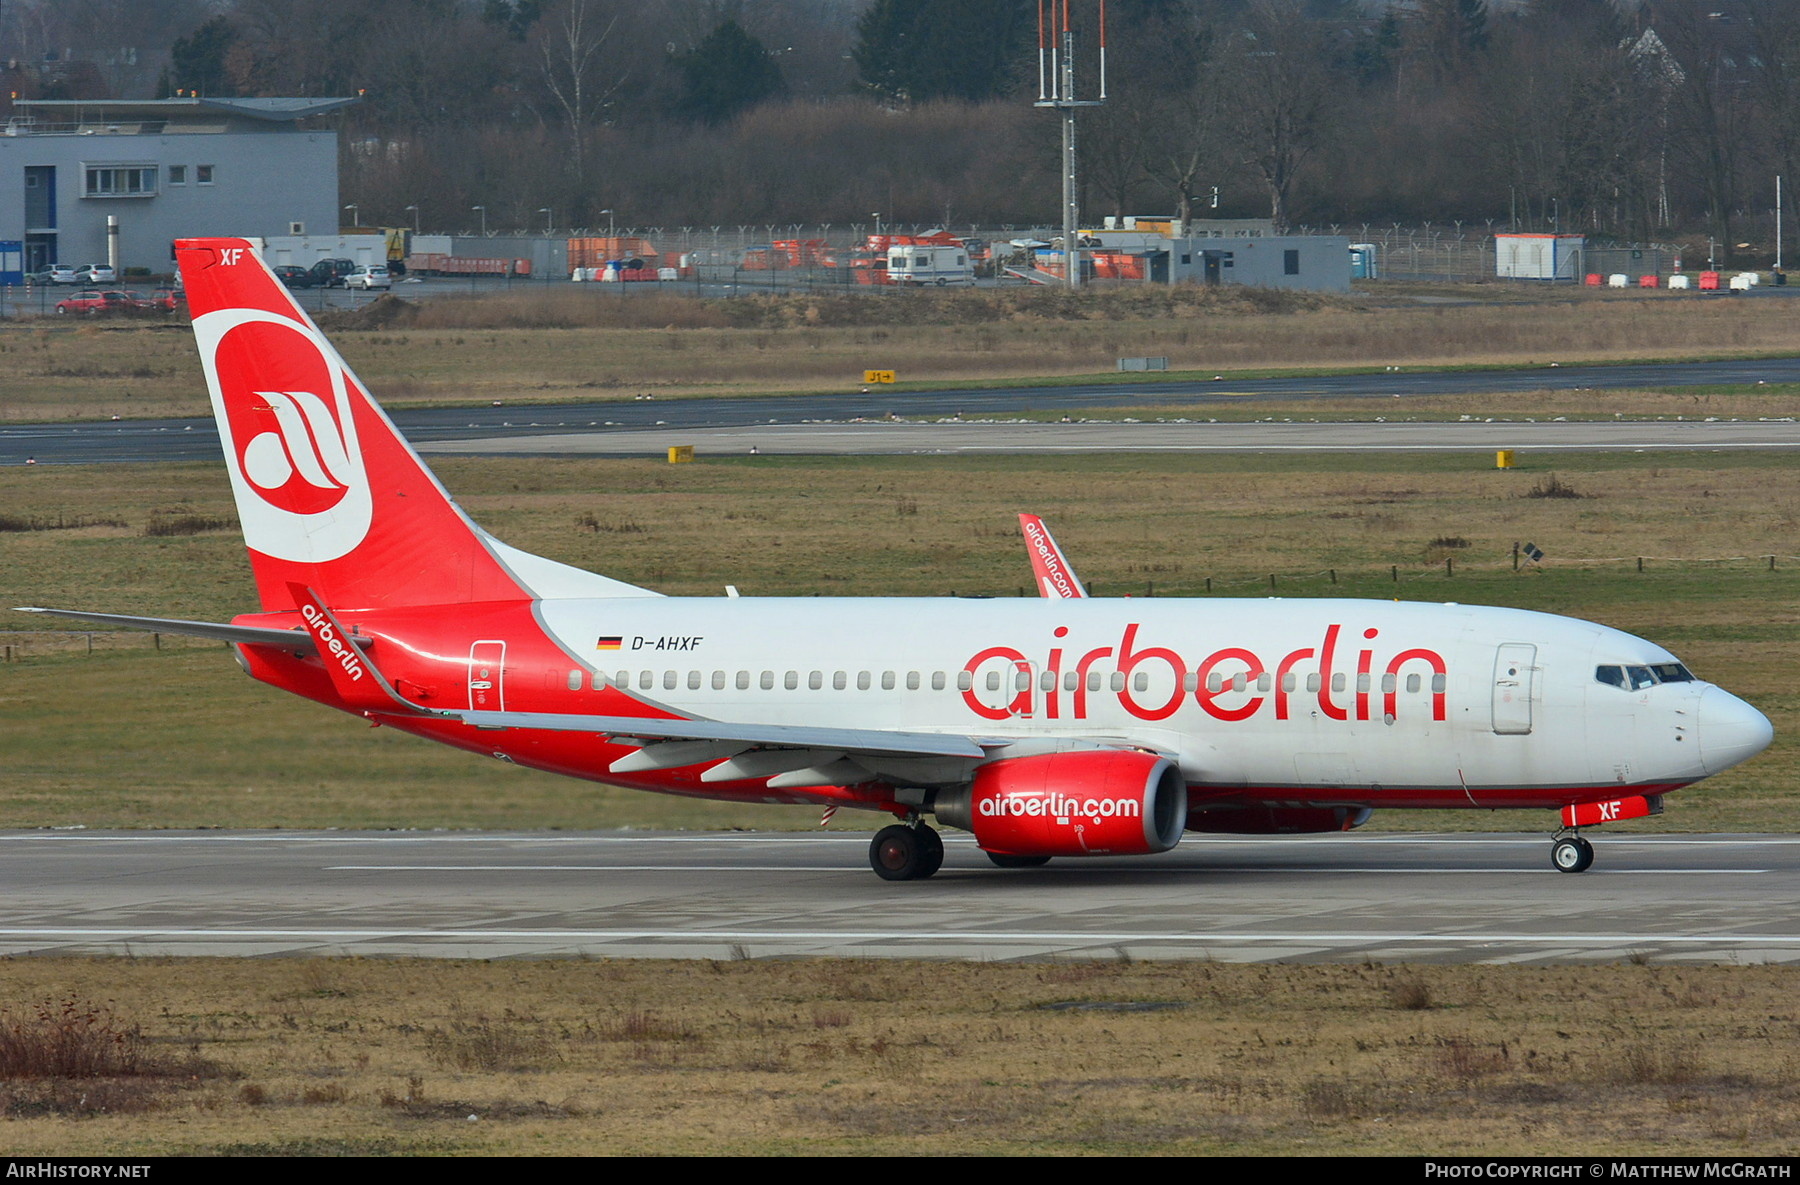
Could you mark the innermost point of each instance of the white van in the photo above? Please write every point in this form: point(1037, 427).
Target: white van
point(930, 264)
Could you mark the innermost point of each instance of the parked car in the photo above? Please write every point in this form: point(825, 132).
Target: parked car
point(95, 273)
point(294, 276)
point(56, 273)
point(369, 275)
point(330, 273)
point(166, 300)
point(94, 303)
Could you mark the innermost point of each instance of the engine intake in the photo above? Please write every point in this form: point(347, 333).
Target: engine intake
point(1103, 802)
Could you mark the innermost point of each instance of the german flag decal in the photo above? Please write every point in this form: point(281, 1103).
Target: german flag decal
point(609, 643)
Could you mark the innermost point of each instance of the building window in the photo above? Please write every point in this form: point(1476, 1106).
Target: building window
point(177, 174)
point(203, 174)
point(1290, 262)
point(110, 181)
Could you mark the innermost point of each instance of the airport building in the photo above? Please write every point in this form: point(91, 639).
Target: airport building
point(160, 169)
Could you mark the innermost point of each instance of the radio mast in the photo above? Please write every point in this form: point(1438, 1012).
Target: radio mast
point(1056, 89)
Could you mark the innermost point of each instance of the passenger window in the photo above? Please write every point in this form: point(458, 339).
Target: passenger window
point(1190, 681)
point(1118, 680)
point(862, 680)
point(767, 681)
point(1071, 681)
point(599, 681)
point(1240, 681)
point(1140, 682)
point(993, 680)
point(912, 680)
point(937, 681)
point(1215, 683)
point(668, 680)
point(718, 681)
point(1290, 682)
point(964, 681)
point(622, 679)
point(1438, 683)
point(1387, 681)
point(743, 680)
point(1412, 684)
point(1047, 681)
point(575, 680)
point(1362, 681)
point(1337, 681)
point(887, 680)
point(646, 680)
point(694, 678)
point(791, 680)
point(1264, 681)
point(839, 680)
point(1312, 681)
point(815, 680)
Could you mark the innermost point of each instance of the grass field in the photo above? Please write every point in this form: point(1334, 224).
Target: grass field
point(565, 345)
point(408, 1057)
point(439, 1057)
point(208, 748)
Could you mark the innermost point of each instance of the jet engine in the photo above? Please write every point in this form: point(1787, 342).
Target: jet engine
point(1099, 802)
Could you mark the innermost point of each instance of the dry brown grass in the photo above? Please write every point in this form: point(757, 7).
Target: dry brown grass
point(878, 1057)
point(763, 345)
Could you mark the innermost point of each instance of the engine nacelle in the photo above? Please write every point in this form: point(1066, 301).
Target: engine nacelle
point(1101, 802)
point(1279, 820)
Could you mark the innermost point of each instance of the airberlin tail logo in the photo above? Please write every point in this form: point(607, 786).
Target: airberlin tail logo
point(284, 407)
point(301, 464)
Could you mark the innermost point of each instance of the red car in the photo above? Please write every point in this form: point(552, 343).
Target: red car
point(162, 300)
point(94, 303)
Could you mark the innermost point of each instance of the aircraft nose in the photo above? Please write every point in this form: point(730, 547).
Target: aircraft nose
point(1730, 730)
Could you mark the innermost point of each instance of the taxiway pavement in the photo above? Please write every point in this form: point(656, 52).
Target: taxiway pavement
point(1326, 898)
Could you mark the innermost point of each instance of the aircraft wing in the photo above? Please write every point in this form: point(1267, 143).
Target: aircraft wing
point(296, 640)
point(849, 740)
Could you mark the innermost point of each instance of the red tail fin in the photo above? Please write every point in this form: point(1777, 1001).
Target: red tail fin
point(329, 493)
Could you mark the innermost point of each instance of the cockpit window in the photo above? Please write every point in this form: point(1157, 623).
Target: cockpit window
point(1638, 678)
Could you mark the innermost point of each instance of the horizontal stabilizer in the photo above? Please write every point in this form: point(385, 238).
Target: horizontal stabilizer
point(843, 740)
point(249, 635)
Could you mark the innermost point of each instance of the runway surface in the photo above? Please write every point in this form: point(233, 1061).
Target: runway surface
point(196, 439)
point(1418, 898)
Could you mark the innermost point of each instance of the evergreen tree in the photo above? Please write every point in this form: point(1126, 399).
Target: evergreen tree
point(197, 61)
point(915, 51)
point(726, 73)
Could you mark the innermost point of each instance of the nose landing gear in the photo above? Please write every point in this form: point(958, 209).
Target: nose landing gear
point(1571, 853)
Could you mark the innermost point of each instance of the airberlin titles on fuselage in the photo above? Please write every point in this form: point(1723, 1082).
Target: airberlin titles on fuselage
point(1228, 684)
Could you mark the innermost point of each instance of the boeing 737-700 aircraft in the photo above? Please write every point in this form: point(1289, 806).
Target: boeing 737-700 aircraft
point(1067, 725)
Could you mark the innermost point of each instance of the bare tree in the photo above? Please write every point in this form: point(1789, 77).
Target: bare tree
point(1280, 87)
point(573, 40)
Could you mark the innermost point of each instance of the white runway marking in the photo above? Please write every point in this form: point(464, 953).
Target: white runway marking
point(841, 936)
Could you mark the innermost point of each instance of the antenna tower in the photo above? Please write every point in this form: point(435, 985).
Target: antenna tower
point(1056, 89)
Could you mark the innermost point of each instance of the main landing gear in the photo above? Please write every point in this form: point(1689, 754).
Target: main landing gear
point(906, 852)
point(1571, 853)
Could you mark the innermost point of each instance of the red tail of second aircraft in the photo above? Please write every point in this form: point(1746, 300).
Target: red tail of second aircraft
point(329, 494)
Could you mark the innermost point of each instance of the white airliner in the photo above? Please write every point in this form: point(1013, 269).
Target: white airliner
point(1061, 726)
